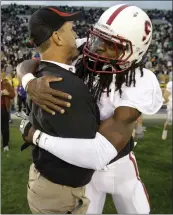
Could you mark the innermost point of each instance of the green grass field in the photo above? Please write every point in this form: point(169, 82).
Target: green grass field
point(154, 158)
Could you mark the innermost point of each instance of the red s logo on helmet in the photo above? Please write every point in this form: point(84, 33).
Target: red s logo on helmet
point(147, 29)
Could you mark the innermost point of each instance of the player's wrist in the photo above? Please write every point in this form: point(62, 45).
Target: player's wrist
point(26, 80)
point(36, 137)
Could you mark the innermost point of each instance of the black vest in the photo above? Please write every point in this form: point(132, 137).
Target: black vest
point(80, 121)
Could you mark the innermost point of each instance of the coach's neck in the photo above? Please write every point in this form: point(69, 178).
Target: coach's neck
point(59, 55)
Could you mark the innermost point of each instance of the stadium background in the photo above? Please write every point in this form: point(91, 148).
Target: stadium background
point(153, 154)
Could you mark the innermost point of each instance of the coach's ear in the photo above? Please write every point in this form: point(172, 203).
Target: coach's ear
point(57, 39)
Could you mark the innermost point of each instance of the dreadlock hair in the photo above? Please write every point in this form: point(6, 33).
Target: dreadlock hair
point(97, 83)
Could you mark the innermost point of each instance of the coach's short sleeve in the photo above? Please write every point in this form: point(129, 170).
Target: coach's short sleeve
point(146, 96)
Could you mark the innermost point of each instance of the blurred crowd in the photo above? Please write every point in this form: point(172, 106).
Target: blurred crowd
point(15, 46)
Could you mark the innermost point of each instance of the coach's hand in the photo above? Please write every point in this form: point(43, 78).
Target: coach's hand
point(44, 96)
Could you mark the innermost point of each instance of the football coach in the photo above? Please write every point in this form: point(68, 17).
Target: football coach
point(55, 186)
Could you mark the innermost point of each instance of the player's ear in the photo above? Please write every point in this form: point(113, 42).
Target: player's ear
point(57, 38)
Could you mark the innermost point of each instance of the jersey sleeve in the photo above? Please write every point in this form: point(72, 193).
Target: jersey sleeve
point(146, 96)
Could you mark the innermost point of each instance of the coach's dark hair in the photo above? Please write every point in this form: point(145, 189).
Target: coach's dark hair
point(104, 80)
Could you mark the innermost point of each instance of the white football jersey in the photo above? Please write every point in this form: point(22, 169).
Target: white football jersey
point(146, 96)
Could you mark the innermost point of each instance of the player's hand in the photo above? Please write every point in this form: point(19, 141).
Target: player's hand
point(48, 99)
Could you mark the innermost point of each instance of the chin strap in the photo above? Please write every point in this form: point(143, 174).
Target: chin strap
point(124, 66)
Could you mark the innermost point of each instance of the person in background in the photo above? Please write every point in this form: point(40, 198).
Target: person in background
point(7, 93)
point(36, 57)
point(15, 83)
point(138, 131)
point(8, 77)
point(168, 99)
point(8, 67)
point(21, 99)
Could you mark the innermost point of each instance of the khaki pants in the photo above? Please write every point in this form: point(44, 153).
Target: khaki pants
point(45, 197)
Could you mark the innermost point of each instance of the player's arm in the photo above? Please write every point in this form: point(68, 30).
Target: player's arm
point(27, 67)
point(118, 128)
point(112, 136)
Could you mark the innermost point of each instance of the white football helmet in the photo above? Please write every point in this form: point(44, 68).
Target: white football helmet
point(123, 26)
